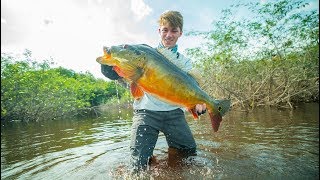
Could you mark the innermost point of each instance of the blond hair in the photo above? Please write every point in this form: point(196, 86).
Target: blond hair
point(173, 18)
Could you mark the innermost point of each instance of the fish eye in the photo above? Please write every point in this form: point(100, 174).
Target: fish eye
point(219, 108)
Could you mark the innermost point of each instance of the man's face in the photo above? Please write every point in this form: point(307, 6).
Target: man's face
point(169, 35)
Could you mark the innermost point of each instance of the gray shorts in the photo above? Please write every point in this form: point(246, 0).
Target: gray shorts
point(145, 130)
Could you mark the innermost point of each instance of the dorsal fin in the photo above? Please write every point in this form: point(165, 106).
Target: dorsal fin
point(146, 45)
point(136, 91)
point(194, 113)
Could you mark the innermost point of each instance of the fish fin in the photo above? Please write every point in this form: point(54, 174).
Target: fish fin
point(118, 71)
point(221, 107)
point(194, 113)
point(146, 45)
point(215, 121)
point(136, 91)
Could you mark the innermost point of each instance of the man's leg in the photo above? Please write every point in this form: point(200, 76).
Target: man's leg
point(144, 136)
point(179, 138)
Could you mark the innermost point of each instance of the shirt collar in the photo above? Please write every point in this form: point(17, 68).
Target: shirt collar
point(173, 49)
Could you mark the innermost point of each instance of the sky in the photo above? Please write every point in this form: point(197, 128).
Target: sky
point(73, 32)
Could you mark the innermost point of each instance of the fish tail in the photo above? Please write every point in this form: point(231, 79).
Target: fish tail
point(217, 109)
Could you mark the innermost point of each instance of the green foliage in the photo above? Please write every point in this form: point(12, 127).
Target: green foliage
point(32, 91)
point(269, 58)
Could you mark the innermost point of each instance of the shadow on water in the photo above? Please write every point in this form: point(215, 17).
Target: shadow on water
point(263, 144)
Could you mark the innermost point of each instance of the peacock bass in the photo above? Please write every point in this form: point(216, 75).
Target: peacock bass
point(150, 70)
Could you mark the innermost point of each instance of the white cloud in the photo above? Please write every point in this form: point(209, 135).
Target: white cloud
point(70, 32)
point(140, 9)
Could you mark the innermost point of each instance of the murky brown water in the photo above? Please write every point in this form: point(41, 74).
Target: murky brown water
point(265, 144)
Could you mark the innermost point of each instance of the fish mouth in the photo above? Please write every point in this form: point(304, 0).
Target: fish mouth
point(106, 55)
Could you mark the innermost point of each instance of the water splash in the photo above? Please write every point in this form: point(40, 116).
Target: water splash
point(118, 100)
point(129, 101)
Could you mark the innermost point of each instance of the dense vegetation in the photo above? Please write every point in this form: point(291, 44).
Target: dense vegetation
point(32, 91)
point(269, 58)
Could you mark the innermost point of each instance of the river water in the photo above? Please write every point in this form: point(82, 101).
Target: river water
point(264, 144)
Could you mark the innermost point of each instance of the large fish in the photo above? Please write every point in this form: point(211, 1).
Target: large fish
point(150, 70)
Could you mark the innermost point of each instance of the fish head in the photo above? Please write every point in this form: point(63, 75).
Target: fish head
point(115, 55)
point(223, 106)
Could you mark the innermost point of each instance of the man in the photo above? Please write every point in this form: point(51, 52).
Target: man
point(152, 115)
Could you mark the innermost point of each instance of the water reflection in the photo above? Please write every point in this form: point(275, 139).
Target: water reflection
point(263, 144)
point(266, 143)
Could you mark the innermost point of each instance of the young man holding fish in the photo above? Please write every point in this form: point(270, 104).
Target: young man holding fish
point(152, 115)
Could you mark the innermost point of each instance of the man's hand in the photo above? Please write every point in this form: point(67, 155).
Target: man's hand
point(201, 109)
